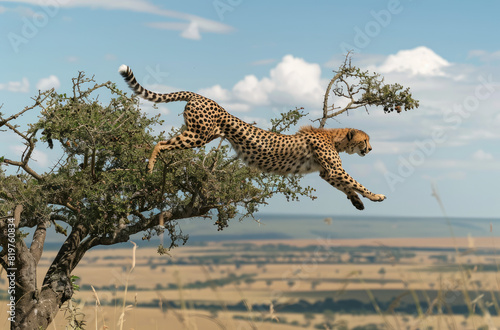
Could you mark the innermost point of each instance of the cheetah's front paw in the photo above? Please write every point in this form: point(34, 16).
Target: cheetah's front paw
point(356, 201)
point(378, 198)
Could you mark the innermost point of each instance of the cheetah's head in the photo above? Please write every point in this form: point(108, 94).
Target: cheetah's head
point(357, 142)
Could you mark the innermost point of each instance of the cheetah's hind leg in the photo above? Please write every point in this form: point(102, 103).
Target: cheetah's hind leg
point(180, 142)
point(185, 140)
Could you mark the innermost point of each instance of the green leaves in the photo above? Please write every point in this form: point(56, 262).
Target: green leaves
point(391, 97)
point(359, 89)
point(101, 182)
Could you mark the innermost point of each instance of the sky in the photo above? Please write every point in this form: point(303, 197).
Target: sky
point(261, 58)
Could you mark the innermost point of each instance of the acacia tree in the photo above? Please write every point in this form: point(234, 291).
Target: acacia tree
point(100, 187)
point(362, 89)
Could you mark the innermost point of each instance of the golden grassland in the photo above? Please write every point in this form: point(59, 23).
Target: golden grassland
point(147, 318)
point(166, 283)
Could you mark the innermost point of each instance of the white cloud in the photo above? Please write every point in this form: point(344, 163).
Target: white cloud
point(159, 88)
point(154, 109)
point(20, 10)
point(446, 175)
point(22, 86)
point(253, 91)
point(258, 121)
point(450, 165)
point(192, 31)
point(38, 156)
point(48, 83)
point(216, 92)
point(224, 98)
point(164, 110)
point(292, 82)
point(418, 61)
point(191, 26)
point(189, 30)
point(297, 81)
point(236, 107)
point(482, 155)
point(484, 55)
point(393, 147)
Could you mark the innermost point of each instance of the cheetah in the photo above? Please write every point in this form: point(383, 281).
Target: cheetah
point(309, 150)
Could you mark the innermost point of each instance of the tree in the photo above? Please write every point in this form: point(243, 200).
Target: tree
point(314, 284)
point(100, 191)
point(328, 316)
point(382, 272)
point(308, 317)
point(249, 281)
point(362, 89)
point(99, 188)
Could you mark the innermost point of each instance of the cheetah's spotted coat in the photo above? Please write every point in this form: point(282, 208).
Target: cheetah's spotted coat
point(309, 150)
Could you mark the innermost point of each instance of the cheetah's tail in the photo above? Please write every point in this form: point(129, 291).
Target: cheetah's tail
point(129, 77)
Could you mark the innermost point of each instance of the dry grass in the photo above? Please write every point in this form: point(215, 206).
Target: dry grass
point(411, 275)
point(133, 267)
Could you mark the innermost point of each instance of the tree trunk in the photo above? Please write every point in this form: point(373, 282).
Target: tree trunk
point(36, 309)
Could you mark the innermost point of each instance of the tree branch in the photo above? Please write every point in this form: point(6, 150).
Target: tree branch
point(25, 167)
point(38, 242)
point(26, 155)
point(39, 100)
point(322, 122)
point(65, 260)
point(373, 92)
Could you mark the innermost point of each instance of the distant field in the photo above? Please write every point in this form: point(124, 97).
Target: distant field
point(427, 242)
point(221, 285)
point(149, 319)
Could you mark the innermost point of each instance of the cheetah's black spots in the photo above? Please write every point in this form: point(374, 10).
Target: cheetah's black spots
point(309, 150)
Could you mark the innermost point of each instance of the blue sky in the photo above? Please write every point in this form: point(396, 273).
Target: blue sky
point(260, 58)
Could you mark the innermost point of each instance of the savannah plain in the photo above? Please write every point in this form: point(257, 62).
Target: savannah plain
point(410, 283)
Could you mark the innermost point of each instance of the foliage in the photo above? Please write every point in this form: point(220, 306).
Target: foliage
point(100, 181)
point(99, 187)
point(361, 89)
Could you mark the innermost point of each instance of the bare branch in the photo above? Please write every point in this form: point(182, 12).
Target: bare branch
point(25, 167)
point(325, 101)
point(39, 100)
point(363, 89)
point(13, 128)
point(26, 154)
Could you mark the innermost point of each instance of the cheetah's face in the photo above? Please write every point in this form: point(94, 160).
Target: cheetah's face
point(358, 142)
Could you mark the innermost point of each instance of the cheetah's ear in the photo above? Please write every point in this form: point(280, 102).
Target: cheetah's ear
point(351, 134)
